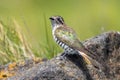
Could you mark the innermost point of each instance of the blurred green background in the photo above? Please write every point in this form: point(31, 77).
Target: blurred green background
point(87, 18)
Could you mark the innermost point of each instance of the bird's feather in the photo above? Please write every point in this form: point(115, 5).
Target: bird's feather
point(68, 36)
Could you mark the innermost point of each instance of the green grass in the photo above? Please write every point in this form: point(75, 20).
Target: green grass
point(15, 47)
point(87, 18)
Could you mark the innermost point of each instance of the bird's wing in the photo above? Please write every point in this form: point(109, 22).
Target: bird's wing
point(66, 35)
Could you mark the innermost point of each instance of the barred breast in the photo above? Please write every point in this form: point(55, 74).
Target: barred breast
point(66, 48)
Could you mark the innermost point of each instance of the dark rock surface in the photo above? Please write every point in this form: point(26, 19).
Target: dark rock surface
point(105, 48)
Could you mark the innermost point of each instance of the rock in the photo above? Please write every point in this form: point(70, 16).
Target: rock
point(105, 48)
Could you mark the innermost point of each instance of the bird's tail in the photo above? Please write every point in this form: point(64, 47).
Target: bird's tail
point(86, 57)
point(89, 60)
point(87, 52)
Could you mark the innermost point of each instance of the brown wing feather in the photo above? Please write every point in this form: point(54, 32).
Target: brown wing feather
point(73, 43)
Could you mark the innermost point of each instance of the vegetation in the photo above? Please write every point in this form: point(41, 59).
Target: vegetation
point(15, 47)
point(32, 37)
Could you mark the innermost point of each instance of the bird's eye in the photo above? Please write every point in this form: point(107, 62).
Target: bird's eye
point(60, 20)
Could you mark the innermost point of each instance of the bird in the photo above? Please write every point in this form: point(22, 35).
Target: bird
point(66, 38)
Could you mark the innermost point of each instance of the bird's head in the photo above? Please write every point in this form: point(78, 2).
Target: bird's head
point(56, 21)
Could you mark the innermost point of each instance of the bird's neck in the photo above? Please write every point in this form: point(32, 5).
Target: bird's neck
point(55, 28)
